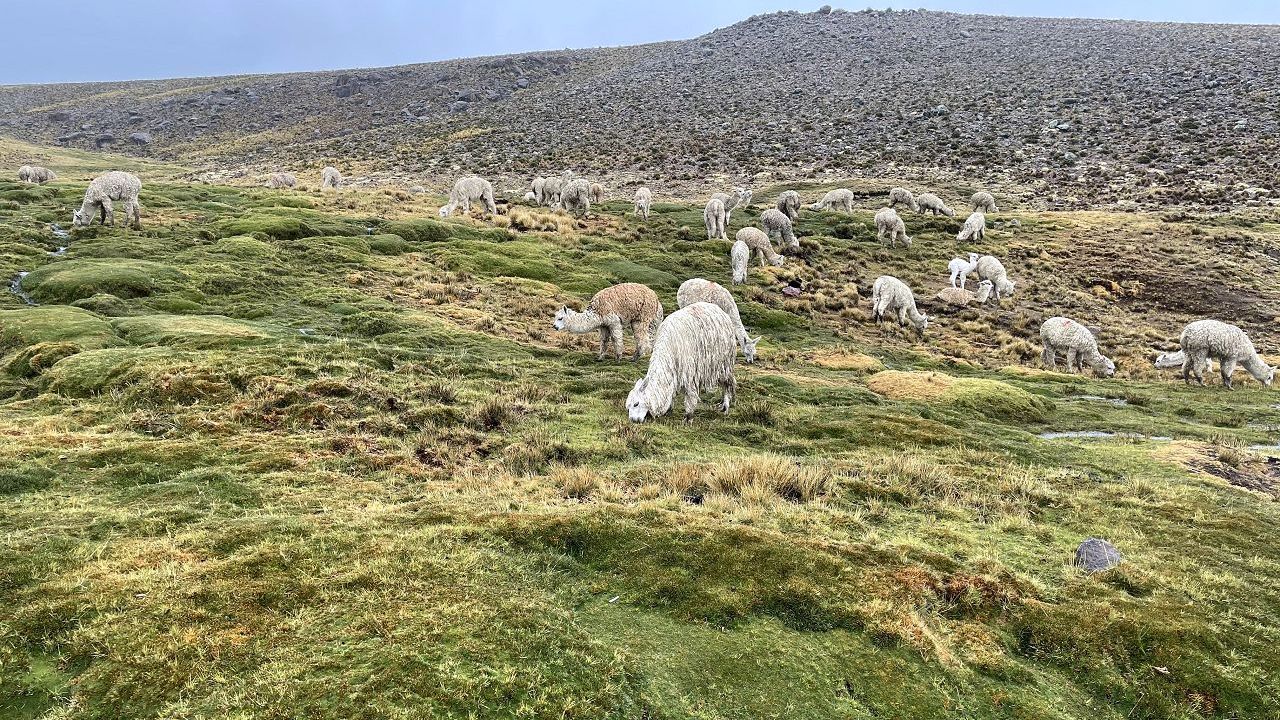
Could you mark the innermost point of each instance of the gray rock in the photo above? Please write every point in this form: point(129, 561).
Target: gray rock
point(104, 139)
point(1095, 555)
point(140, 138)
point(459, 106)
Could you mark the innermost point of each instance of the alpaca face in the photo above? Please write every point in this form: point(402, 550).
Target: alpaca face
point(637, 405)
point(444, 211)
point(561, 316)
point(749, 349)
point(1108, 368)
point(78, 219)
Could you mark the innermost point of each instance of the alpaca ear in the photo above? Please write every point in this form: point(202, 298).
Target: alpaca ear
point(757, 340)
point(640, 383)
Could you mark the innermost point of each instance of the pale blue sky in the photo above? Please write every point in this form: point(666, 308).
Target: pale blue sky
point(82, 40)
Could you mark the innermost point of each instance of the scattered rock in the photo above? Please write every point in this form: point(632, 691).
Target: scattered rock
point(140, 138)
point(1095, 555)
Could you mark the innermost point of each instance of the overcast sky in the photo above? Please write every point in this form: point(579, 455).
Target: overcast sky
point(82, 40)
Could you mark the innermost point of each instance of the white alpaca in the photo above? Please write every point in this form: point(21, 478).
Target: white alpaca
point(700, 290)
point(960, 297)
point(1226, 343)
point(789, 204)
point(838, 199)
point(644, 198)
point(551, 188)
point(990, 268)
point(891, 295)
point(776, 224)
point(960, 269)
point(537, 189)
point(36, 174)
point(330, 178)
point(694, 352)
point(983, 201)
point(715, 216)
point(1065, 336)
point(757, 241)
point(1171, 360)
point(889, 225)
point(930, 203)
point(468, 190)
point(119, 186)
point(281, 180)
point(576, 197)
point(904, 196)
point(974, 228)
point(597, 193)
point(739, 254)
point(741, 197)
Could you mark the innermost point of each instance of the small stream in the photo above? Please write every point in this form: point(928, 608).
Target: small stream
point(15, 287)
point(1099, 435)
point(1118, 402)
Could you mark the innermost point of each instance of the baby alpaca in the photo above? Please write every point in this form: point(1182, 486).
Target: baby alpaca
point(468, 190)
point(889, 225)
point(960, 269)
point(644, 198)
point(974, 228)
point(930, 203)
point(597, 193)
point(115, 185)
point(891, 295)
point(628, 303)
point(904, 196)
point(838, 199)
point(701, 290)
point(739, 254)
point(715, 216)
point(756, 240)
point(1226, 343)
point(694, 352)
point(776, 224)
point(1065, 336)
point(983, 201)
point(960, 297)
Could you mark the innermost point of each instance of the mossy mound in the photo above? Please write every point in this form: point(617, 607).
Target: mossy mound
point(244, 247)
point(104, 304)
point(989, 397)
point(264, 227)
point(389, 244)
point(71, 280)
point(205, 331)
point(31, 326)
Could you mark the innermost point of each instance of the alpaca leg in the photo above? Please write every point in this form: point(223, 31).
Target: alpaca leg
point(1049, 357)
point(108, 213)
point(690, 402)
point(730, 391)
point(604, 341)
point(1072, 359)
point(615, 328)
point(1227, 367)
point(639, 331)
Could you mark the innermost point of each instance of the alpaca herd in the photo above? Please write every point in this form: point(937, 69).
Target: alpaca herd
point(693, 349)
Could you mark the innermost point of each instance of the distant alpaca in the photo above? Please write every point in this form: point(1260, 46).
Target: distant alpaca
point(755, 240)
point(468, 190)
point(930, 203)
point(36, 174)
point(889, 295)
point(904, 196)
point(1226, 343)
point(838, 199)
point(983, 201)
point(715, 216)
point(281, 180)
point(330, 178)
point(576, 197)
point(789, 204)
point(776, 224)
point(960, 269)
point(974, 228)
point(889, 225)
point(597, 193)
point(644, 198)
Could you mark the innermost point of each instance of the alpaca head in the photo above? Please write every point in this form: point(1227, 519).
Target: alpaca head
point(1006, 287)
point(79, 218)
point(445, 210)
point(637, 404)
point(749, 348)
point(948, 212)
point(778, 260)
point(1107, 368)
point(562, 317)
point(1271, 375)
point(922, 324)
point(973, 258)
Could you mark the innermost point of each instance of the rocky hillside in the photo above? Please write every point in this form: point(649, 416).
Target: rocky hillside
point(1079, 112)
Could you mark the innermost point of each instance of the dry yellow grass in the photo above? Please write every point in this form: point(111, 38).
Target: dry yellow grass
point(842, 359)
point(901, 385)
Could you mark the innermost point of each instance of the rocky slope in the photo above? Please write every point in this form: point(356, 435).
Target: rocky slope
point(1079, 112)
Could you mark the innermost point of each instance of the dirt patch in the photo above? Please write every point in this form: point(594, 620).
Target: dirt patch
point(1263, 477)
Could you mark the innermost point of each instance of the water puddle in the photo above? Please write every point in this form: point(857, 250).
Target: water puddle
point(58, 232)
point(1118, 402)
point(1268, 449)
point(1099, 435)
point(62, 250)
point(15, 287)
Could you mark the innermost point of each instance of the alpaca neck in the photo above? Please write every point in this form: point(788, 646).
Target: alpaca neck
point(582, 322)
point(914, 315)
point(659, 395)
point(1256, 367)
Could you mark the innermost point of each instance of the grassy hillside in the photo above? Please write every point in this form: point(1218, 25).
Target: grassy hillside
point(284, 454)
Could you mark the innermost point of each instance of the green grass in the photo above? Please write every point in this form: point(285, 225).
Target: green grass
point(258, 462)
